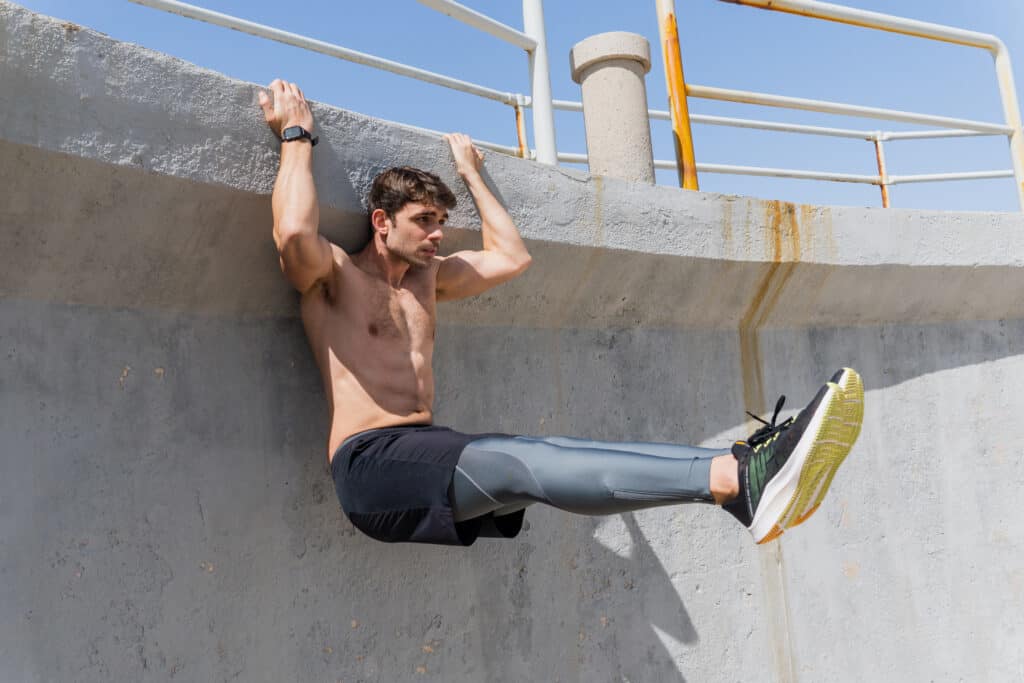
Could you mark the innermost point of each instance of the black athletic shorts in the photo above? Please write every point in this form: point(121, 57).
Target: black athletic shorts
point(393, 486)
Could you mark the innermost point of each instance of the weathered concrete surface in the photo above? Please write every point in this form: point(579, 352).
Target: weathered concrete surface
point(166, 512)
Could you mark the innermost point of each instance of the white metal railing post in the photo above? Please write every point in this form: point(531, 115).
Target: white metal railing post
point(540, 84)
point(1008, 93)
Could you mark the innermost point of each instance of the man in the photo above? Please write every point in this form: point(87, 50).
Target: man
point(370, 320)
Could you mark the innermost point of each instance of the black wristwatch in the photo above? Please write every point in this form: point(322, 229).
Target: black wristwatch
point(298, 133)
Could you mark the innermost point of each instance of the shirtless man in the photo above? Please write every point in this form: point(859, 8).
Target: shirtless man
point(370, 319)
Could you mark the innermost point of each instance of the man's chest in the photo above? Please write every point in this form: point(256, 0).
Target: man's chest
point(389, 313)
point(367, 309)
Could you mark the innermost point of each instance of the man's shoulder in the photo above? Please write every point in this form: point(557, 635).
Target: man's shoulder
point(340, 255)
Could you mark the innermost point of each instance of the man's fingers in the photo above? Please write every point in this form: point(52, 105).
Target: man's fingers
point(460, 139)
point(266, 105)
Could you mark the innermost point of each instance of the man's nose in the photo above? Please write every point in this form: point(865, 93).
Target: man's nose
point(436, 235)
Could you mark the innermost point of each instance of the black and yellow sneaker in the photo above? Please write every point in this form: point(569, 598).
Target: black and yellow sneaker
point(785, 469)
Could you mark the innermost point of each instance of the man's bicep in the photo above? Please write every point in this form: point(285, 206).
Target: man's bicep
point(468, 273)
point(306, 259)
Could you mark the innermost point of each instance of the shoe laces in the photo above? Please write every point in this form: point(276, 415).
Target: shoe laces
point(770, 429)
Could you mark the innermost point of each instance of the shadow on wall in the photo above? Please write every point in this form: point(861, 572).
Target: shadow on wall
point(172, 467)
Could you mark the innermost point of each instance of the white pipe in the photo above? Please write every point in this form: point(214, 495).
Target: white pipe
point(746, 97)
point(923, 134)
point(540, 82)
point(668, 164)
point(482, 22)
point(782, 127)
point(661, 115)
point(831, 132)
point(567, 105)
point(779, 173)
point(979, 127)
point(937, 177)
point(228, 21)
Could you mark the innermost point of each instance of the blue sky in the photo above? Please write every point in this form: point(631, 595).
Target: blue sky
point(723, 45)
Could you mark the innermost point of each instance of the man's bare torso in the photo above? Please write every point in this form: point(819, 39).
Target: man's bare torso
point(370, 317)
point(374, 345)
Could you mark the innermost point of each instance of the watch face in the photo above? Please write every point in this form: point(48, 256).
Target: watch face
point(292, 133)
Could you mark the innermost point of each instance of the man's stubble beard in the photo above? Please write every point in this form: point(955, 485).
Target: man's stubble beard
point(410, 258)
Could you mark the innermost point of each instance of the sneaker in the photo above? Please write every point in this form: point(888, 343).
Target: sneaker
point(785, 469)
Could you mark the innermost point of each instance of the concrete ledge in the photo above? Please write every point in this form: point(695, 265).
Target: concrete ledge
point(201, 247)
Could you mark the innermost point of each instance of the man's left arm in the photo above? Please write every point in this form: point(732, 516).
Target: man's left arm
point(504, 256)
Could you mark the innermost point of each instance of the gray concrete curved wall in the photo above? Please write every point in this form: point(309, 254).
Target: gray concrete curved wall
point(165, 508)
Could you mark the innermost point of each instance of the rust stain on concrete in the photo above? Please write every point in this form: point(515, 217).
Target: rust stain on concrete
point(782, 251)
point(727, 228)
point(750, 356)
point(817, 241)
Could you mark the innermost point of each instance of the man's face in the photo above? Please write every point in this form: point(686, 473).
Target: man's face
point(415, 233)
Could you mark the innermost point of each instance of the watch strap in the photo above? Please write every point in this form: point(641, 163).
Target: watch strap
point(293, 133)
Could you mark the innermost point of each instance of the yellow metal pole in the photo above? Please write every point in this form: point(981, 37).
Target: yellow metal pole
point(524, 150)
point(677, 104)
point(882, 177)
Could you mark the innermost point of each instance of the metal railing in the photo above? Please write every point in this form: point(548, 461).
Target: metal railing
point(679, 91)
point(532, 39)
point(967, 129)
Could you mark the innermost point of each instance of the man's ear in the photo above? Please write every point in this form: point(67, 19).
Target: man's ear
point(380, 221)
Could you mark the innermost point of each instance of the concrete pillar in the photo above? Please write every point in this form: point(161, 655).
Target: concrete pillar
point(610, 69)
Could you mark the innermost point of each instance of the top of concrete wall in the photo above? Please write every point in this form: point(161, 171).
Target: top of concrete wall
point(166, 126)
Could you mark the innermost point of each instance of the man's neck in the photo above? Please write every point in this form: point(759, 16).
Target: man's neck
point(376, 260)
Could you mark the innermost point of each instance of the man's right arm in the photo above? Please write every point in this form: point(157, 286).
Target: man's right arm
point(306, 257)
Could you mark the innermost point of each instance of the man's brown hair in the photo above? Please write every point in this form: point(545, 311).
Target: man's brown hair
point(394, 188)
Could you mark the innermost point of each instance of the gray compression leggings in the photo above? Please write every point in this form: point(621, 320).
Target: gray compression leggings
point(505, 474)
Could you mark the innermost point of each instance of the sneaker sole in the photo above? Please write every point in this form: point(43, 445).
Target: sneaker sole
point(853, 402)
point(796, 492)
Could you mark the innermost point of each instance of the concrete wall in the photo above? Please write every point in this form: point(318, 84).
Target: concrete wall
point(165, 507)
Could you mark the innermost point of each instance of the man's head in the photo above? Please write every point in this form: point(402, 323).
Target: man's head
point(407, 208)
